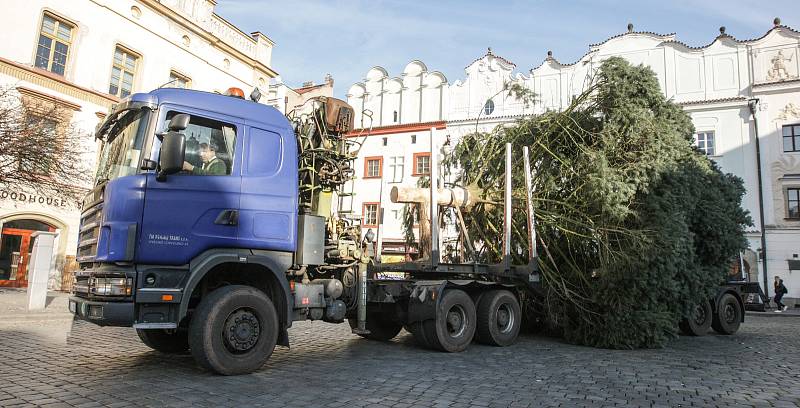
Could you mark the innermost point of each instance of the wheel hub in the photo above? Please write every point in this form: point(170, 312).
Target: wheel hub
point(456, 321)
point(505, 318)
point(699, 315)
point(730, 313)
point(242, 331)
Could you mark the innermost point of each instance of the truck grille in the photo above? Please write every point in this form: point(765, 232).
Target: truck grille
point(89, 233)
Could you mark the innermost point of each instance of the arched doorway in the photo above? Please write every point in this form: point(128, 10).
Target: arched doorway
point(16, 245)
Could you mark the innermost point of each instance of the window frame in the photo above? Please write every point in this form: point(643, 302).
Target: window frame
point(197, 116)
point(364, 220)
point(179, 76)
point(137, 63)
point(415, 162)
point(54, 38)
point(367, 161)
point(57, 128)
point(488, 107)
point(793, 136)
point(704, 149)
point(789, 201)
point(394, 165)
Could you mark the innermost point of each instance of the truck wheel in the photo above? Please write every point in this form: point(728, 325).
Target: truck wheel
point(165, 341)
point(700, 321)
point(454, 325)
point(417, 330)
point(380, 330)
point(499, 318)
point(728, 316)
point(233, 330)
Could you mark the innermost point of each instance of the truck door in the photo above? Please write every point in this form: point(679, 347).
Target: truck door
point(195, 210)
point(269, 189)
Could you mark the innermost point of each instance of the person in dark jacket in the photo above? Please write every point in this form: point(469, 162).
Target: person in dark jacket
point(212, 165)
point(780, 290)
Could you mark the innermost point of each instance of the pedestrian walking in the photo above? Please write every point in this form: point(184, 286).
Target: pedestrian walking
point(780, 290)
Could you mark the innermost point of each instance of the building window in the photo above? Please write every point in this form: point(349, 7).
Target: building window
point(123, 72)
point(55, 38)
point(373, 167)
point(422, 164)
point(44, 128)
point(791, 138)
point(793, 201)
point(705, 142)
point(177, 80)
point(397, 166)
point(413, 139)
point(370, 215)
point(385, 141)
point(395, 116)
point(488, 108)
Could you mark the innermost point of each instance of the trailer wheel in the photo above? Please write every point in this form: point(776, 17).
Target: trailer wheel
point(728, 316)
point(700, 321)
point(454, 325)
point(165, 341)
point(499, 318)
point(379, 330)
point(233, 330)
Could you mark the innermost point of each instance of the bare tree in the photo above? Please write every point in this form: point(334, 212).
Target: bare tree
point(41, 151)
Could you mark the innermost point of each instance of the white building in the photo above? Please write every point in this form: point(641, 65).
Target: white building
point(717, 84)
point(83, 56)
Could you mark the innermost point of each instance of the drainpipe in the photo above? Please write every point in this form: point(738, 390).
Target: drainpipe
point(752, 104)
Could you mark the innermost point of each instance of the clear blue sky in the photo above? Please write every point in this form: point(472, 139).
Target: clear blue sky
point(348, 37)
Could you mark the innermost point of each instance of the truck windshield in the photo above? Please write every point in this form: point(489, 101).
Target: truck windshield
point(123, 149)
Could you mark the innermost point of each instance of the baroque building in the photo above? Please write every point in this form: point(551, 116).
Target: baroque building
point(742, 95)
point(82, 56)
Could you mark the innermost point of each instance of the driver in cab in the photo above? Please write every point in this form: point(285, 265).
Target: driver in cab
point(212, 165)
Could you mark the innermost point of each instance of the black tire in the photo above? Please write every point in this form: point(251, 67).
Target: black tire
point(454, 325)
point(379, 330)
point(417, 330)
point(165, 341)
point(729, 315)
point(244, 312)
point(700, 322)
point(499, 318)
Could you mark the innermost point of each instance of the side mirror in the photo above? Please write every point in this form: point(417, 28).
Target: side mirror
point(179, 122)
point(173, 151)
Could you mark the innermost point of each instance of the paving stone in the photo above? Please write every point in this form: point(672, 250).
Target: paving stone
point(328, 366)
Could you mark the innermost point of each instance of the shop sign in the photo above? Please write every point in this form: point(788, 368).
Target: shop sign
point(32, 198)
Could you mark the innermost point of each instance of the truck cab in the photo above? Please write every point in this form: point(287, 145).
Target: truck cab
point(154, 238)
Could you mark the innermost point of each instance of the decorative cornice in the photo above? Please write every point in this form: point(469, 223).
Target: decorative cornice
point(667, 41)
point(489, 53)
point(630, 32)
point(713, 101)
point(55, 82)
point(48, 98)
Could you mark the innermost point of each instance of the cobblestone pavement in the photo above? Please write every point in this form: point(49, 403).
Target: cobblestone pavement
point(327, 366)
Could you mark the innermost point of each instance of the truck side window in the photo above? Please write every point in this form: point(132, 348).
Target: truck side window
point(209, 146)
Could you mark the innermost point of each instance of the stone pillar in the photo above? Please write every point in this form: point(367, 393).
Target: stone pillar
point(41, 263)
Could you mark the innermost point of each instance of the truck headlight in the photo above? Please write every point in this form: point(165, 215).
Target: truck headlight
point(110, 286)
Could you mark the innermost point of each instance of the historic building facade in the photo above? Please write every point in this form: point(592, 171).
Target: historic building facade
point(743, 97)
point(85, 55)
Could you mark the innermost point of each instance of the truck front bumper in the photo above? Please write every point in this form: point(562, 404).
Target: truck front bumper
point(102, 313)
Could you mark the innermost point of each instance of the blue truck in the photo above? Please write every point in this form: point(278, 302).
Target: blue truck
point(215, 222)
